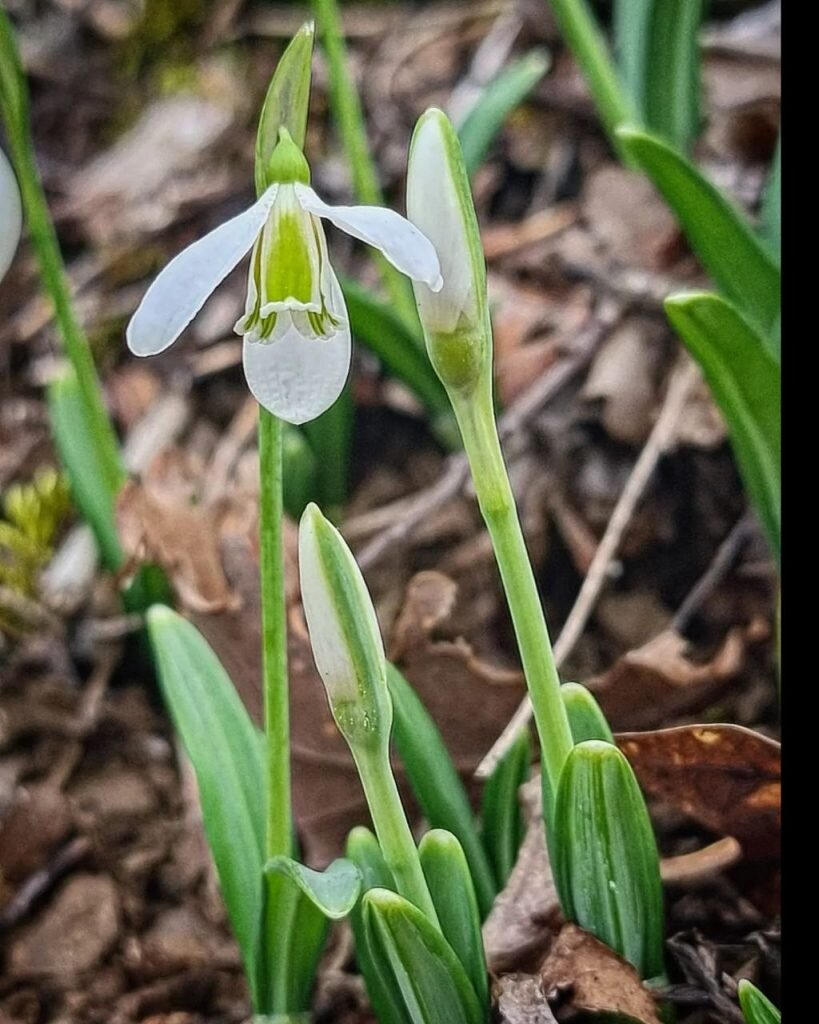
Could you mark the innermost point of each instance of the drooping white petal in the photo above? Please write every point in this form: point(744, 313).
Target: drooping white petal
point(402, 243)
point(298, 378)
point(183, 287)
point(11, 215)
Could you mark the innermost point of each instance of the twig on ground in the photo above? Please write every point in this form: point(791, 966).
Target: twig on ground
point(401, 518)
point(41, 881)
point(660, 438)
point(726, 554)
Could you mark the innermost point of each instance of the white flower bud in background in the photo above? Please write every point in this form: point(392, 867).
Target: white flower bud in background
point(11, 215)
point(344, 634)
point(439, 202)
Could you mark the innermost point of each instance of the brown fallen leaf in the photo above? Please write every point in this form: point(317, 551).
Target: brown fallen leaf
point(519, 999)
point(180, 537)
point(646, 686)
point(725, 777)
point(526, 915)
point(582, 975)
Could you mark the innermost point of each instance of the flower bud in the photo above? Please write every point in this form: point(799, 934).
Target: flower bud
point(11, 215)
point(344, 634)
point(455, 319)
point(604, 855)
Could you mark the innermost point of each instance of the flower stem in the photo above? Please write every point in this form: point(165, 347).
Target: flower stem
point(392, 829)
point(582, 33)
point(279, 832)
point(497, 504)
point(350, 119)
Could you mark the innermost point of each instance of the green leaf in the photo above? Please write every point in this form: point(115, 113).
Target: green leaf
point(298, 471)
point(364, 850)
point(756, 1008)
point(331, 437)
point(586, 717)
point(286, 102)
point(771, 204)
point(450, 883)
point(225, 749)
point(80, 458)
point(375, 323)
point(416, 964)
point(298, 905)
point(604, 855)
point(717, 230)
point(745, 380)
point(500, 97)
point(502, 825)
point(435, 782)
point(658, 55)
point(581, 30)
point(333, 891)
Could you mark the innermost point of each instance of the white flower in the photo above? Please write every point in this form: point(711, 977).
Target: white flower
point(11, 215)
point(295, 326)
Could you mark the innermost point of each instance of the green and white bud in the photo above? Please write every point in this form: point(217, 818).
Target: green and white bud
point(344, 634)
point(455, 318)
point(11, 215)
point(604, 855)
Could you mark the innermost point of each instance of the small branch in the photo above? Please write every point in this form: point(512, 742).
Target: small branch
point(406, 515)
point(659, 440)
point(727, 553)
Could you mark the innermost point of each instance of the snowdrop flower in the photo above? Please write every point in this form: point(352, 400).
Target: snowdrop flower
point(11, 215)
point(295, 326)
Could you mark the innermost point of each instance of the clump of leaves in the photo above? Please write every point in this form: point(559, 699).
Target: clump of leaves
point(32, 514)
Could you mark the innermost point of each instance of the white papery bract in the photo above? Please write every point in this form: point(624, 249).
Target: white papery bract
point(295, 326)
point(11, 215)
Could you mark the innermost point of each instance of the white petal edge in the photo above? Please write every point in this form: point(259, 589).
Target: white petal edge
point(407, 248)
point(183, 287)
point(433, 204)
point(298, 378)
point(11, 215)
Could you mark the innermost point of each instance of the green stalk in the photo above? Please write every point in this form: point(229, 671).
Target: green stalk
point(350, 119)
point(581, 31)
point(392, 829)
point(14, 106)
point(497, 504)
point(279, 829)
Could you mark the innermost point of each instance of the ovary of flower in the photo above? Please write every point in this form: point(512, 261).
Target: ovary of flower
point(11, 215)
point(295, 327)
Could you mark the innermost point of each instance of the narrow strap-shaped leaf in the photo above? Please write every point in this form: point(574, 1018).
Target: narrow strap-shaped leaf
point(364, 851)
point(756, 1007)
point(416, 963)
point(374, 323)
point(449, 881)
point(717, 230)
point(745, 380)
point(298, 471)
point(333, 891)
point(435, 782)
point(772, 203)
point(506, 91)
point(225, 750)
point(586, 717)
point(79, 456)
point(331, 437)
point(658, 57)
point(502, 825)
point(298, 905)
point(604, 855)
